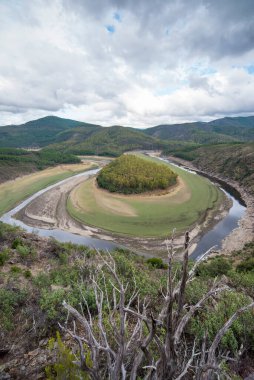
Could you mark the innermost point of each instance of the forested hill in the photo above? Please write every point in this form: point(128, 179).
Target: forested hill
point(15, 162)
point(228, 129)
point(77, 137)
point(111, 141)
point(39, 133)
point(231, 161)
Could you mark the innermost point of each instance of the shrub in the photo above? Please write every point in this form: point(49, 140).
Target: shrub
point(6, 230)
point(42, 281)
point(23, 250)
point(63, 258)
point(15, 269)
point(4, 256)
point(64, 276)
point(214, 267)
point(157, 263)
point(26, 251)
point(246, 266)
point(17, 241)
point(64, 368)
point(9, 300)
point(27, 273)
point(51, 302)
point(210, 321)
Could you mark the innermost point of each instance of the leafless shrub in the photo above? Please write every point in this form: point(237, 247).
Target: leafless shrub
point(141, 343)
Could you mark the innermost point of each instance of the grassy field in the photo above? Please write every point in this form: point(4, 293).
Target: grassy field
point(13, 192)
point(143, 215)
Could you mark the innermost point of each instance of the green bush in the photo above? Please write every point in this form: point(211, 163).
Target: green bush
point(246, 266)
point(42, 281)
point(210, 320)
point(51, 302)
point(9, 300)
point(7, 230)
point(64, 368)
point(15, 269)
point(214, 267)
point(25, 251)
point(157, 263)
point(27, 273)
point(4, 256)
point(17, 241)
point(63, 258)
point(64, 276)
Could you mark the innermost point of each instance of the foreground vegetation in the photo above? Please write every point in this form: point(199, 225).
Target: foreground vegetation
point(130, 174)
point(37, 275)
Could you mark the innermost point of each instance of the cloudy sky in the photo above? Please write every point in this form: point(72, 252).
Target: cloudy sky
point(130, 62)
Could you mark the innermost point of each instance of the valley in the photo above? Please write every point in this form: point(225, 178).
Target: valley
point(51, 193)
point(140, 222)
point(51, 212)
point(127, 190)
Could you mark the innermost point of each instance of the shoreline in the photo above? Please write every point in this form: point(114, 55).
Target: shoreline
point(244, 233)
point(48, 211)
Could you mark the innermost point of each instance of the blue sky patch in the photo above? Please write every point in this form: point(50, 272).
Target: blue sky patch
point(110, 28)
point(200, 69)
point(250, 69)
point(117, 17)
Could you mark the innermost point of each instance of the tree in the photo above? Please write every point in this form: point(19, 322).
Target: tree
point(144, 342)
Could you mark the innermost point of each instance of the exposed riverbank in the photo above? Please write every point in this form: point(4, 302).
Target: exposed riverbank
point(48, 212)
point(244, 233)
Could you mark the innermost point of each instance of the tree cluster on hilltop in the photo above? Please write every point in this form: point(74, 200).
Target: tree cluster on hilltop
point(131, 174)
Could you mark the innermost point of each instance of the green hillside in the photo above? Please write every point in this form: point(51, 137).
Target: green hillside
point(232, 161)
point(16, 162)
point(214, 132)
point(76, 137)
point(38, 133)
point(111, 141)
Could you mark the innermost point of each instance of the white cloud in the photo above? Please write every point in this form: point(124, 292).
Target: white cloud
point(165, 62)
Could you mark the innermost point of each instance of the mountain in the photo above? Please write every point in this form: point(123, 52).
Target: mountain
point(70, 136)
point(228, 129)
point(111, 141)
point(38, 133)
point(83, 138)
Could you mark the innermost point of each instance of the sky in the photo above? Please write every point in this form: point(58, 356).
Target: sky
point(135, 63)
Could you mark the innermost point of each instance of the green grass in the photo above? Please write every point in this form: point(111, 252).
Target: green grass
point(154, 218)
point(13, 192)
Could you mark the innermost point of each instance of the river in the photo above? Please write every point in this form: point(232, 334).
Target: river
point(215, 236)
point(211, 238)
